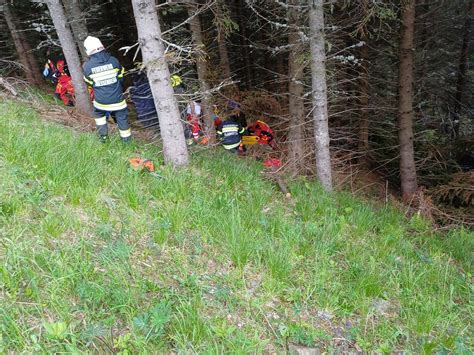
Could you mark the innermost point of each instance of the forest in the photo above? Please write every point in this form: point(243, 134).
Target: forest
point(364, 105)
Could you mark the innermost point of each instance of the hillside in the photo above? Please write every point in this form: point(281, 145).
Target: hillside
point(211, 258)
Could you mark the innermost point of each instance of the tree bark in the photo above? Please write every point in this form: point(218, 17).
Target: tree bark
point(201, 57)
point(223, 54)
point(149, 36)
point(364, 93)
point(34, 67)
point(319, 94)
point(243, 44)
point(461, 83)
point(22, 47)
point(82, 98)
point(295, 90)
point(405, 102)
point(364, 105)
point(282, 72)
point(78, 24)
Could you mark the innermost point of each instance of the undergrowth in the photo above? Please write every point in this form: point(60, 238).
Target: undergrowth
point(211, 258)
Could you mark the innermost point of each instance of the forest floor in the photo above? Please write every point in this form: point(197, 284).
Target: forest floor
point(211, 258)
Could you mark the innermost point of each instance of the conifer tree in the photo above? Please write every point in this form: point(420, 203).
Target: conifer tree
point(153, 53)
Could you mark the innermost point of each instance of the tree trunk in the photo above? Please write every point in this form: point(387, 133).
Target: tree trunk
point(296, 91)
point(405, 102)
point(82, 98)
point(201, 57)
point(364, 105)
point(34, 67)
point(282, 71)
point(319, 94)
point(22, 47)
point(223, 54)
point(364, 93)
point(461, 84)
point(243, 44)
point(78, 24)
point(149, 36)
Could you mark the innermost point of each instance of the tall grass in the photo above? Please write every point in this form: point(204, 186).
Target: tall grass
point(210, 258)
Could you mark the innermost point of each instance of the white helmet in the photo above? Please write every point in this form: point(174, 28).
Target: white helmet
point(93, 45)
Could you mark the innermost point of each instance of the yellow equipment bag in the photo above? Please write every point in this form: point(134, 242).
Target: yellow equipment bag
point(249, 140)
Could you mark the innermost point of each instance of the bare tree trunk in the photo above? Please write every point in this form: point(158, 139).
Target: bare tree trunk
point(149, 36)
point(34, 67)
point(201, 66)
point(364, 105)
point(319, 94)
point(296, 91)
point(281, 69)
point(461, 84)
point(364, 93)
point(23, 48)
point(243, 44)
point(223, 54)
point(405, 102)
point(83, 102)
point(78, 24)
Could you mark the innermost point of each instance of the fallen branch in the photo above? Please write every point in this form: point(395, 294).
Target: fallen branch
point(5, 84)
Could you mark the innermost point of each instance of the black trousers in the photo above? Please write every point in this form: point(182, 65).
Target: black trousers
point(120, 117)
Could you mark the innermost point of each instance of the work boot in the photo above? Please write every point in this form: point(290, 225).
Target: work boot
point(103, 139)
point(127, 140)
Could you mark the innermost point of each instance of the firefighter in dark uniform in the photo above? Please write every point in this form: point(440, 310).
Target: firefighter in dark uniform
point(230, 133)
point(105, 75)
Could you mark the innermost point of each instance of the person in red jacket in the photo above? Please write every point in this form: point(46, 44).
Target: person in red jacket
point(64, 87)
point(56, 71)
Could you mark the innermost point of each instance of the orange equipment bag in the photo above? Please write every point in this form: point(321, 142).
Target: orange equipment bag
point(140, 164)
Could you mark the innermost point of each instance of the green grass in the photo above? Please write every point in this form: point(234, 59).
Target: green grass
point(211, 258)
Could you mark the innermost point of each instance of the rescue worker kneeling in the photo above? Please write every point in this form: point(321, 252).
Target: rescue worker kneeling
point(230, 132)
point(105, 74)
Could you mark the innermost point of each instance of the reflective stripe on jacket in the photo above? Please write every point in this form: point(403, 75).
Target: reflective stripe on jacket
point(105, 74)
point(230, 133)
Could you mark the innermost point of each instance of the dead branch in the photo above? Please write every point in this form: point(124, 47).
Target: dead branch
point(7, 86)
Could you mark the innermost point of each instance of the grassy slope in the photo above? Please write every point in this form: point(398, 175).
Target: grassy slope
point(209, 258)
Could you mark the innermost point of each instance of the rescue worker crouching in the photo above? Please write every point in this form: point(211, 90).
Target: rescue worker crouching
point(193, 130)
point(56, 71)
point(231, 133)
point(105, 74)
point(64, 87)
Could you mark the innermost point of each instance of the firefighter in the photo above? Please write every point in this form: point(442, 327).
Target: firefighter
point(56, 71)
point(177, 84)
point(105, 74)
point(234, 110)
point(50, 71)
point(193, 118)
point(230, 132)
point(64, 87)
